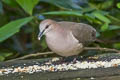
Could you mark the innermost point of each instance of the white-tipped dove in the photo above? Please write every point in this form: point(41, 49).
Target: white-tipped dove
point(66, 38)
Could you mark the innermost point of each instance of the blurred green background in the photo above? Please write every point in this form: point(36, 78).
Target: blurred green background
point(19, 21)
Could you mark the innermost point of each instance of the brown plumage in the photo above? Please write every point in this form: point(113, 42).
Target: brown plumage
point(82, 32)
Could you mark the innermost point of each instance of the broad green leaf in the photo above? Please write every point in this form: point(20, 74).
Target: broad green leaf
point(114, 27)
point(11, 28)
point(28, 5)
point(118, 5)
point(102, 12)
point(90, 15)
point(2, 58)
point(91, 18)
point(66, 4)
point(10, 2)
point(88, 9)
point(101, 17)
point(106, 4)
point(113, 18)
point(75, 13)
point(100, 4)
point(4, 53)
point(104, 27)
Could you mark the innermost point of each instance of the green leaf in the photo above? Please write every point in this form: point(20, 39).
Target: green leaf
point(65, 4)
point(117, 45)
point(2, 58)
point(106, 4)
point(4, 53)
point(28, 5)
point(101, 17)
point(104, 27)
point(113, 18)
point(87, 10)
point(11, 28)
point(91, 18)
point(75, 13)
point(118, 5)
point(10, 3)
point(114, 27)
point(100, 4)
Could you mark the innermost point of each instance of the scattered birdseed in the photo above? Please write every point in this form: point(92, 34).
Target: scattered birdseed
point(55, 59)
point(92, 78)
point(50, 67)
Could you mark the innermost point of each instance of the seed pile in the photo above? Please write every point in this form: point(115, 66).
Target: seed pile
point(50, 67)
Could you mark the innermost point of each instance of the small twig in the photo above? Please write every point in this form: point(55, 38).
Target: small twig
point(31, 55)
point(85, 48)
point(102, 49)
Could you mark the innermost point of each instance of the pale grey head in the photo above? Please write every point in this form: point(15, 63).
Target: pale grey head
point(45, 27)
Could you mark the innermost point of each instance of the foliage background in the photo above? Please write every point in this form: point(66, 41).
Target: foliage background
point(19, 21)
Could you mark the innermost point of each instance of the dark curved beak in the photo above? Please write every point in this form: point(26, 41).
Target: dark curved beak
point(40, 35)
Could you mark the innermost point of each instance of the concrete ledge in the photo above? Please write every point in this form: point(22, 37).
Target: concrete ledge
point(32, 69)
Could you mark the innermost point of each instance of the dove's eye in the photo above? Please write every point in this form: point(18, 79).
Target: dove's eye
point(47, 26)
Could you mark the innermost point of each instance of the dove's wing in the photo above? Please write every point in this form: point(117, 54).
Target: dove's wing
point(82, 32)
